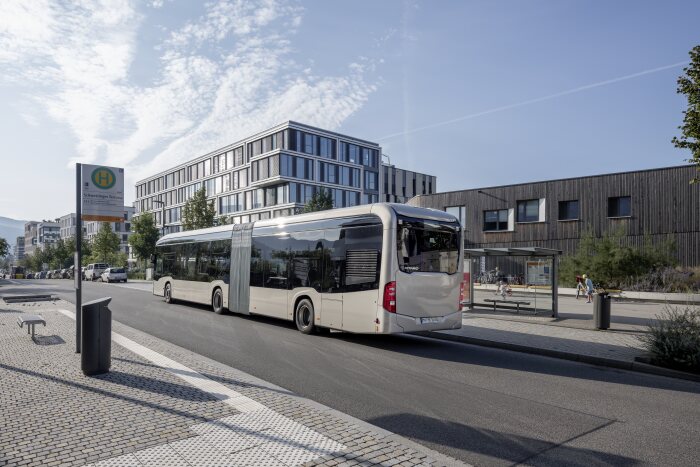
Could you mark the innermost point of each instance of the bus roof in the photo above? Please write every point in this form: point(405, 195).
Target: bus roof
point(381, 209)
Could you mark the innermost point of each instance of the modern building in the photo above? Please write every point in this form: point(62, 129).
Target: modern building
point(657, 204)
point(271, 174)
point(18, 251)
point(67, 225)
point(401, 185)
point(30, 237)
point(47, 233)
point(123, 229)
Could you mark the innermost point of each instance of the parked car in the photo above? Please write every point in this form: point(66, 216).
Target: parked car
point(113, 275)
point(63, 274)
point(93, 271)
point(56, 274)
point(30, 275)
point(82, 272)
point(42, 275)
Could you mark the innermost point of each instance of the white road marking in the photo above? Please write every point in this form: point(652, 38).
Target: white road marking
point(257, 434)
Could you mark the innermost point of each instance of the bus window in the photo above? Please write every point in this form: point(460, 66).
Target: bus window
point(427, 246)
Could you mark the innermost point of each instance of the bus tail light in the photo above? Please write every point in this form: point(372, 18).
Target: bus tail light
point(390, 297)
point(461, 295)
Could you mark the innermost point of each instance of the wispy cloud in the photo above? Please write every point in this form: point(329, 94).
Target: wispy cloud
point(219, 77)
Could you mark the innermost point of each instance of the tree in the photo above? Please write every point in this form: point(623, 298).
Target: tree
point(689, 84)
point(320, 201)
point(105, 245)
point(4, 247)
point(144, 237)
point(63, 254)
point(198, 213)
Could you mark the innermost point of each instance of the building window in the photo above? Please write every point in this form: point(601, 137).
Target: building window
point(568, 210)
point(529, 210)
point(460, 212)
point(371, 181)
point(495, 220)
point(620, 206)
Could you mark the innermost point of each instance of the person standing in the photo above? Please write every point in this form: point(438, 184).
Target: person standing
point(589, 288)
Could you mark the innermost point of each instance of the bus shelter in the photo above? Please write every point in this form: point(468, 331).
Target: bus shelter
point(540, 264)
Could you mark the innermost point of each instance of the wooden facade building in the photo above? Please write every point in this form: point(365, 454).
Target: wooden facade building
point(658, 203)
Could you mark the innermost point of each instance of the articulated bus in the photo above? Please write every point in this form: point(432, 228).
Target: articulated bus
point(380, 268)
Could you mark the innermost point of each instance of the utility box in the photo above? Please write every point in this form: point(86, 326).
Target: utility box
point(601, 311)
point(96, 337)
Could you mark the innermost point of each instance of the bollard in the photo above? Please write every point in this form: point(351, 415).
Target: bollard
point(96, 337)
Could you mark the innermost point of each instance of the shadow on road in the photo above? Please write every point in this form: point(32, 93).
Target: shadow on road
point(439, 350)
point(493, 446)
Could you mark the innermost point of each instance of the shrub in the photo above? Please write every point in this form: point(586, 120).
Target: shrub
point(666, 280)
point(674, 338)
point(607, 261)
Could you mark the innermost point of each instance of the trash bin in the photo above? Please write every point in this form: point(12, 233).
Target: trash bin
point(601, 310)
point(96, 337)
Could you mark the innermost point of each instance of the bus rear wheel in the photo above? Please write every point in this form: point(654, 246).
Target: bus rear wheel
point(168, 293)
point(217, 301)
point(304, 316)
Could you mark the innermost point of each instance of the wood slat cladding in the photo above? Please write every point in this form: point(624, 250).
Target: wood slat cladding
point(663, 204)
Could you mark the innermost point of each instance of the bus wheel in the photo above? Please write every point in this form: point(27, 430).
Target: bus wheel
point(217, 301)
point(168, 293)
point(304, 316)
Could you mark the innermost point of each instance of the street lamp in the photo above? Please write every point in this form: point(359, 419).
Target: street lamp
point(162, 216)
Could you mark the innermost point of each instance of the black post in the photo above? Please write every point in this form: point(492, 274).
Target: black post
point(77, 270)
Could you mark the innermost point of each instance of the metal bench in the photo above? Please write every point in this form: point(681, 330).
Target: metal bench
point(30, 321)
point(516, 302)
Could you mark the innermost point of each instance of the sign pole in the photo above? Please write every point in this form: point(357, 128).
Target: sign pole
point(77, 269)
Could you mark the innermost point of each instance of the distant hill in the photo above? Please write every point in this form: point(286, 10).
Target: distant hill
point(10, 229)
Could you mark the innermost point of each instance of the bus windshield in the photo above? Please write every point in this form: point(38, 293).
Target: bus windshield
point(428, 246)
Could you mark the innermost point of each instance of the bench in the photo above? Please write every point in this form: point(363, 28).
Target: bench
point(30, 321)
point(517, 302)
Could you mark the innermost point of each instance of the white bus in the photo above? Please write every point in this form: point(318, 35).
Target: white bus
point(380, 268)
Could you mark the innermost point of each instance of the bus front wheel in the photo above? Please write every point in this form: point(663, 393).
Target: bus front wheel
point(304, 316)
point(168, 293)
point(217, 301)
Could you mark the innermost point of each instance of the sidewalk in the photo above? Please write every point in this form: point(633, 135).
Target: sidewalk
point(163, 405)
point(606, 348)
point(627, 295)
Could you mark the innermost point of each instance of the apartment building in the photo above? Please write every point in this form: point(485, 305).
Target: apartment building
point(272, 174)
point(123, 229)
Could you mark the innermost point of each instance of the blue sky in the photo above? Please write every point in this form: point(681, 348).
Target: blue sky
point(476, 93)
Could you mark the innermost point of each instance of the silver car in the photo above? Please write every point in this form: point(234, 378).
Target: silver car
point(113, 275)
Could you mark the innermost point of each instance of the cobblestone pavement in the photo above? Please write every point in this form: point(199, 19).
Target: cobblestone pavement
point(163, 405)
point(622, 346)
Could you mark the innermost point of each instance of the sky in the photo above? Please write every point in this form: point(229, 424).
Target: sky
point(477, 93)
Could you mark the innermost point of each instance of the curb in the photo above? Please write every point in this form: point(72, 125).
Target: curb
point(593, 360)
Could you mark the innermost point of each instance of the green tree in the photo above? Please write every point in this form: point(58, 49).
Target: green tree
point(4, 247)
point(607, 261)
point(63, 254)
point(144, 237)
point(105, 245)
point(198, 212)
point(689, 84)
point(320, 201)
point(86, 248)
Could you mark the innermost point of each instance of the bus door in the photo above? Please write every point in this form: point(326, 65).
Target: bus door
point(332, 260)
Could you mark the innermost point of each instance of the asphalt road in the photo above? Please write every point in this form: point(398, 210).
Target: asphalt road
point(484, 406)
